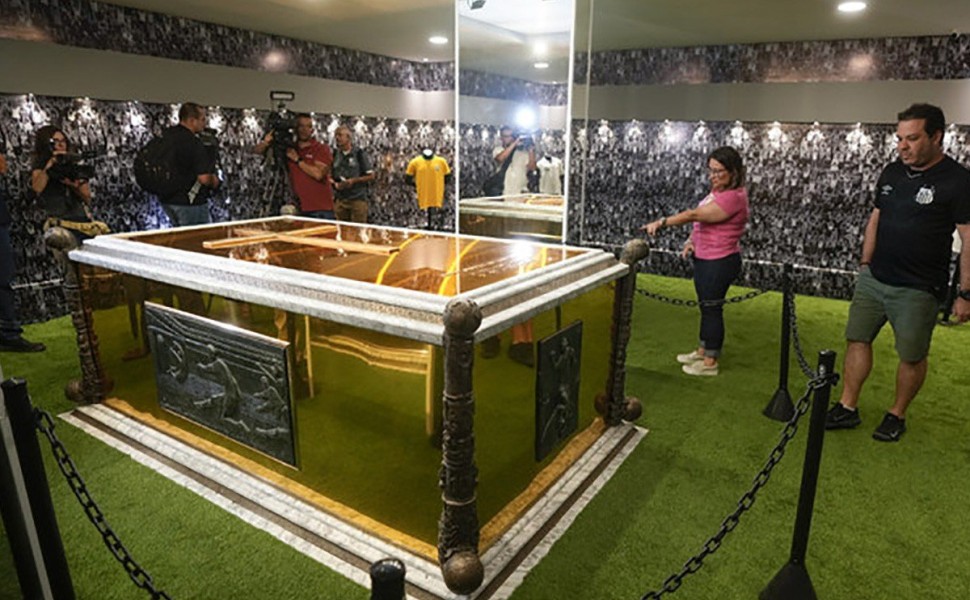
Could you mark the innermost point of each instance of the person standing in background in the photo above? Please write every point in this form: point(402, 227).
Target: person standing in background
point(352, 174)
point(905, 266)
point(718, 224)
point(11, 333)
point(193, 169)
point(309, 163)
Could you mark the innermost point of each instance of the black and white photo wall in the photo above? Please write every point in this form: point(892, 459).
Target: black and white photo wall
point(814, 121)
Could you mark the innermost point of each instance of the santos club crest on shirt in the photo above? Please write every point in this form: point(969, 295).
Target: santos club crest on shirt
point(924, 195)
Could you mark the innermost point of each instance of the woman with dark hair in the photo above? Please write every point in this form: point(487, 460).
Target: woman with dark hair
point(719, 221)
point(64, 200)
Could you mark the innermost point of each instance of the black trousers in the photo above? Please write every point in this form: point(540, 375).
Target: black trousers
point(9, 320)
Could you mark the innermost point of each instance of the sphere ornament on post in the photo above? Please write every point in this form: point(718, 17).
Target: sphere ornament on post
point(463, 572)
point(462, 316)
point(634, 251)
point(633, 409)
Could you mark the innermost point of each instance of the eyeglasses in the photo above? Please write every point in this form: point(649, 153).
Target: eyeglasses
point(55, 140)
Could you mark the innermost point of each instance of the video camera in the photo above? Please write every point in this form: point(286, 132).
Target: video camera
point(73, 166)
point(282, 122)
point(526, 137)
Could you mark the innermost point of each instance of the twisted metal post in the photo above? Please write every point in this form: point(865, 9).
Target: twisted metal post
point(614, 406)
point(93, 383)
point(458, 526)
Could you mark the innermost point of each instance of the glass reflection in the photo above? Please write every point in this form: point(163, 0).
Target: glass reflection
point(514, 90)
point(440, 264)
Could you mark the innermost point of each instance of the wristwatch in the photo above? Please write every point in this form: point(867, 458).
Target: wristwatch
point(965, 294)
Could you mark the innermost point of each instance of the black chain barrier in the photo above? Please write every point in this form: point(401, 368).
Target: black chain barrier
point(796, 341)
point(694, 564)
point(682, 302)
point(45, 423)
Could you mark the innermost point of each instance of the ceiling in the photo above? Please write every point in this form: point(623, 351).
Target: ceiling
point(401, 28)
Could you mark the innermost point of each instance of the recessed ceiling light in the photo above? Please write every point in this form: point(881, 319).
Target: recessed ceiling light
point(541, 65)
point(851, 7)
point(425, 59)
point(438, 39)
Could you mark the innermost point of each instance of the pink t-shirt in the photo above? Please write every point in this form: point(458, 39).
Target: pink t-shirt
point(717, 240)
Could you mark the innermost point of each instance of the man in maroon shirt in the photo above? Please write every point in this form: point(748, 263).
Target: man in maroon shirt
point(309, 166)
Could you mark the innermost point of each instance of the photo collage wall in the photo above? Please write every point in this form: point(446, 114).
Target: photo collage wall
point(810, 186)
point(114, 132)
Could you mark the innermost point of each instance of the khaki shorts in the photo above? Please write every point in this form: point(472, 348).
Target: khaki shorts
point(911, 312)
point(351, 210)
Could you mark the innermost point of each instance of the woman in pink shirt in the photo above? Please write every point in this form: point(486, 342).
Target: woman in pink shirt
point(719, 222)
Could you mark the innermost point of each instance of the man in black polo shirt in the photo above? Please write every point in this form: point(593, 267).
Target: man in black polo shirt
point(905, 266)
point(193, 168)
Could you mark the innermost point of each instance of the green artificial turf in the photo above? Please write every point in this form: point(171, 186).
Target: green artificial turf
point(890, 519)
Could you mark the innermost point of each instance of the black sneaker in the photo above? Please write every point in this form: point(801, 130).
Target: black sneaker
point(19, 344)
point(891, 429)
point(840, 417)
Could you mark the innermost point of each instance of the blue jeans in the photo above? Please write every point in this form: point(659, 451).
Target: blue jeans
point(712, 278)
point(9, 320)
point(318, 214)
point(187, 214)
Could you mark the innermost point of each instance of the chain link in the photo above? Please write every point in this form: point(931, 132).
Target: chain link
point(673, 582)
point(682, 302)
point(45, 423)
point(796, 341)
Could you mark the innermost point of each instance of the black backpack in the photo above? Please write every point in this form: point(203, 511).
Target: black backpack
point(155, 167)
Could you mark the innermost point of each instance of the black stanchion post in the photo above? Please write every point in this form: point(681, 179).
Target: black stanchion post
point(25, 501)
point(781, 407)
point(793, 582)
point(387, 579)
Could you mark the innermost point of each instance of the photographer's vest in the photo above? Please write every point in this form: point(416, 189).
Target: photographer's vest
point(347, 165)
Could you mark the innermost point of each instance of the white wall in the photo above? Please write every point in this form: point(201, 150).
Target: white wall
point(496, 112)
point(50, 69)
point(826, 102)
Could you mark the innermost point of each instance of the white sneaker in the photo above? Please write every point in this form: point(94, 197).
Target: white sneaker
point(689, 358)
point(699, 368)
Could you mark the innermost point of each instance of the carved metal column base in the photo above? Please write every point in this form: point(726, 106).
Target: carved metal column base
point(458, 526)
point(93, 383)
point(614, 405)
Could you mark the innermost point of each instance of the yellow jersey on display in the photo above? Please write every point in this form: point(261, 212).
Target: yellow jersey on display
point(429, 179)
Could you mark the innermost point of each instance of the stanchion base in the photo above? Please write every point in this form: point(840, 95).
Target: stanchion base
point(781, 407)
point(791, 583)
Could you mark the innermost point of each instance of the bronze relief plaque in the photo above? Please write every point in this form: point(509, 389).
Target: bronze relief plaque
point(224, 378)
point(557, 388)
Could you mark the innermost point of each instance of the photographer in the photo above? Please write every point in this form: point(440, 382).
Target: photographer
point(61, 185)
point(11, 333)
point(352, 174)
point(308, 164)
point(520, 153)
point(193, 168)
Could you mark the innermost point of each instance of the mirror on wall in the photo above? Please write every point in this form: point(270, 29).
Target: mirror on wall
point(514, 65)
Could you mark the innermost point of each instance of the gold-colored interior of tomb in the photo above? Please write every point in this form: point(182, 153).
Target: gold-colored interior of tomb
point(366, 405)
point(438, 264)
